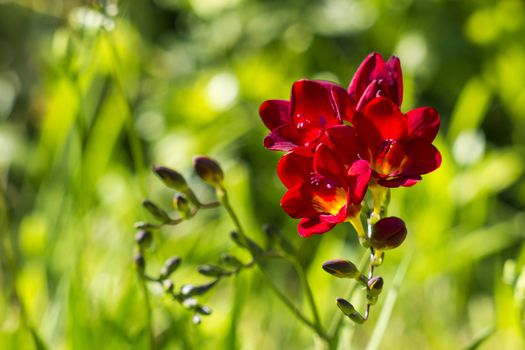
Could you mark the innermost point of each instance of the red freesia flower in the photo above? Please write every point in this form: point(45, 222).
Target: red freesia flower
point(375, 77)
point(328, 188)
point(313, 106)
point(398, 146)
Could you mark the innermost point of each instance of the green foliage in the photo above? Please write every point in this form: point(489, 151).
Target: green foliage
point(91, 96)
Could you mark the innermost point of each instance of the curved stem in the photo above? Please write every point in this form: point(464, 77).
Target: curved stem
point(308, 291)
point(297, 313)
point(9, 262)
point(388, 306)
point(149, 325)
point(339, 320)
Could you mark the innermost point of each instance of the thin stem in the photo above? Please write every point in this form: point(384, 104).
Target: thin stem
point(308, 291)
point(297, 313)
point(388, 306)
point(336, 326)
point(173, 222)
point(149, 324)
point(7, 251)
point(317, 326)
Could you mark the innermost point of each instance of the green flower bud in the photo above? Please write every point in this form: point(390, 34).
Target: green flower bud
point(212, 270)
point(143, 239)
point(189, 290)
point(168, 286)
point(182, 205)
point(349, 311)
point(375, 286)
point(203, 310)
point(139, 260)
point(232, 261)
point(208, 170)
point(157, 212)
point(341, 268)
point(253, 247)
point(171, 178)
point(196, 319)
point(388, 233)
point(189, 303)
point(170, 266)
point(275, 235)
point(141, 225)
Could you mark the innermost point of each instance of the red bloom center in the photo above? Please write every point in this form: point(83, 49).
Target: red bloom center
point(329, 197)
point(390, 160)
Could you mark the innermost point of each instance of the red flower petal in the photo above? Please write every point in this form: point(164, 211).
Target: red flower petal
point(368, 71)
point(335, 219)
point(401, 181)
point(275, 113)
point(358, 176)
point(314, 105)
point(342, 139)
point(312, 226)
point(395, 80)
point(375, 77)
point(296, 204)
point(423, 157)
point(423, 123)
point(283, 138)
point(370, 92)
point(295, 167)
point(327, 164)
point(380, 120)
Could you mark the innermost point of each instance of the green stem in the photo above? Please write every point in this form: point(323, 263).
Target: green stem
point(242, 235)
point(297, 313)
point(11, 265)
point(308, 291)
point(149, 324)
point(388, 306)
point(336, 326)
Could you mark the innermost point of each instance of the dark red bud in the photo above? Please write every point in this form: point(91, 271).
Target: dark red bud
point(182, 205)
point(341, 268)
point(170, 266)
point(168, 286)
point(143, 239)
point(208, 170)
point(171, 178)
point(388, 233)
point(139, 260)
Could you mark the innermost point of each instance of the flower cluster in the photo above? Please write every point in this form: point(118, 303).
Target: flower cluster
point(341, 142)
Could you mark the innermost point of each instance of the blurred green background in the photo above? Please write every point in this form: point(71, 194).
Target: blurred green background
point(92, 93)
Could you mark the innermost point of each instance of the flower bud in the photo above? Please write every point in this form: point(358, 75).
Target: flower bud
point(139, 260)
point(182, 205)
point(388, 233)
point(157, 212)
point(143, 239)
point(275, 235)
point(196, 319)
point(203, 310)
point(374, 288)
point(208, 170)
point(349, 310)
point(253, 247)
point(189, 290)
point(168, 286)
point(171, 178)
point(341, 268)
point(170, 266)
point(141, 225)
point(189, 303)
point(212, 270)
point(232, 261)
